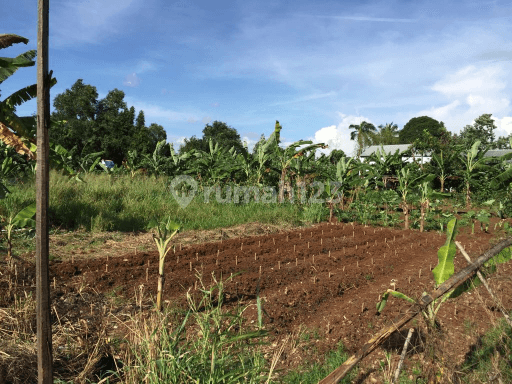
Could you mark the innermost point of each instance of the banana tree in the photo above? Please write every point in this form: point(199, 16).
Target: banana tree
point(504, 178)
point(440, 165)
point(264, 152)
point(179, 162)
point(213, 165)
point(427, 194)
point(407, 180)
point(474, 163)
point(383, 165)
point(345, 173)
point(157, 163)
point(16, 131)
point(166, 229)
point(20, 220)
point(284, 157)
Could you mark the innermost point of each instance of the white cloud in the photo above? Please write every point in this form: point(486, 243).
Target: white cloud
point(338, 136)
point(471, 92)
point(504, 125)
point(472, 80)
point(131, 80)
point(155, 112)
point(206, 119)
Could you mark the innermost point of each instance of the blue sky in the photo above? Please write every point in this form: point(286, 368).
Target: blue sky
point(317, 67)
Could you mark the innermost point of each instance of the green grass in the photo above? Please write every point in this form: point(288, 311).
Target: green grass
point(312, 373)
point(103, 203)
point(493, 357)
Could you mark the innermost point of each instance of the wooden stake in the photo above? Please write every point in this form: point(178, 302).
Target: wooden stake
point(308, 244)
point(241, 246)
point(255, 256)
point(147, 274)
point(402, 357)
point(279, 265)
point(197, 256)
point(296, 261)
point(43, 300)
point(236, 260)
point(190, 266)
point(260, 269)
point(486, 285)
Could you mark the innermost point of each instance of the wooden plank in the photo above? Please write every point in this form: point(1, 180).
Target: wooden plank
point(44, 326)
point(453, 282)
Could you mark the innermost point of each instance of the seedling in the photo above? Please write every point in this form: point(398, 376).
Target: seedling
point(166, 231)
point(22, 219)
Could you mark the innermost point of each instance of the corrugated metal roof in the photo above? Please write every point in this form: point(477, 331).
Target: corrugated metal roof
point(497, 152)
point(388, 149)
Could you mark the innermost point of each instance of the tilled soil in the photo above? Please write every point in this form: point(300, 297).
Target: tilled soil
point(327, 278)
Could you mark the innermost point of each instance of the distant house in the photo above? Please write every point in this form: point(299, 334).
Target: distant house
point(108, 163)
point(497, 152)
point(408, 157)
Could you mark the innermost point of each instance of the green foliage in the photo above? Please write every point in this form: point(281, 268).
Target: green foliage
point(21, 219)
point(221, 350)
point(313, 373)
point(105, 125)
point(446, 254)
point(415, 128)
point(442, 272)
point(482, 130)
point(363, 133)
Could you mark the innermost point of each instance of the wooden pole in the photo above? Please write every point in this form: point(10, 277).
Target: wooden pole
point(44, 326)
point(453, 282)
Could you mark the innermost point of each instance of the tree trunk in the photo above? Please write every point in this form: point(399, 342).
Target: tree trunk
point(468, 195)
point(422, 217)
point(161, 281)
point(405, 208)
point(441, 179)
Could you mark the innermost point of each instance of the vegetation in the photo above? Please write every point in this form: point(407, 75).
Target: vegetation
point(98, 198)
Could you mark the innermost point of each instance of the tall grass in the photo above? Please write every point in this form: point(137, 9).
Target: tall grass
point(106, 203)
point(209, 344)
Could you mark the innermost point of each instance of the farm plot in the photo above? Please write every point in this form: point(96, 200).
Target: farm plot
point(327, 278)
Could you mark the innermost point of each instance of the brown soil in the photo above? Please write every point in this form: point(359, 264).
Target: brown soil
point(327, 278)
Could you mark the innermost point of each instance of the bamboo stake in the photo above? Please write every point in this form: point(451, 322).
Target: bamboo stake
point(486, 285)
point(453, 282)
point(402, 357)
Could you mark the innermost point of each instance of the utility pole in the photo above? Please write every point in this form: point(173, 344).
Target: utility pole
point(44, 326)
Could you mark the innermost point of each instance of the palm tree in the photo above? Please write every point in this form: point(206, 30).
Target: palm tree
point(363, 133)
point(387, 134)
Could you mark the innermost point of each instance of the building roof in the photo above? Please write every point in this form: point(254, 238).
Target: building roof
point(388, 149)
point(497, 152)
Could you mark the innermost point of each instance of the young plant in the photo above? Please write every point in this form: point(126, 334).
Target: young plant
point(471, 215)
point(483, 217)
point(427, 194)
point(442, 272)
point(20, 220)
point(166, 231)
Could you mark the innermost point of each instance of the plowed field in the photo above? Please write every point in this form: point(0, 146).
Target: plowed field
point(327, 278)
